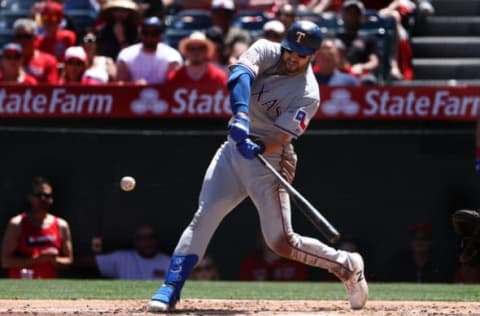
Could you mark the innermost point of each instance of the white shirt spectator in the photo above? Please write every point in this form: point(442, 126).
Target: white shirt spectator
point(129, 265)
point(151, 67)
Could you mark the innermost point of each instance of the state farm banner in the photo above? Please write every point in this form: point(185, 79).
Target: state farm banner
point(204, 101)
point(112, 101)
point(400, 103)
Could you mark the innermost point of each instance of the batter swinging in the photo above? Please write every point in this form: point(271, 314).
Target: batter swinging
point(273, 95)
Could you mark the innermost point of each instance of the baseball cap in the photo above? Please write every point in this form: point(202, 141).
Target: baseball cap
point(355, 3)
point(274, 26)
point(223, 4)
point(76, 52)
point(153, 22)
point(52, 8)
point(12, 47)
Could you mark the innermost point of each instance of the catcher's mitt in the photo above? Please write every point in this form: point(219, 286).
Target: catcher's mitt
point(466, 224)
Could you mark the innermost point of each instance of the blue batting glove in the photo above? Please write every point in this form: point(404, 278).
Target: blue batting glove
point(249, 149)
point(239, 127)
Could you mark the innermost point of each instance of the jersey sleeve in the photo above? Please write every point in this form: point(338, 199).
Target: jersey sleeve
point(295, 120)
point(260, 56)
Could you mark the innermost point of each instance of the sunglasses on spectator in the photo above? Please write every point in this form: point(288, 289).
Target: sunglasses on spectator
point(151, 33)
point(291, 52)
point(89, 40)
point(197, 48)
point(12, 56)
point(74, 62)
point(50, 18)
point(22, 36)
point(43, 194)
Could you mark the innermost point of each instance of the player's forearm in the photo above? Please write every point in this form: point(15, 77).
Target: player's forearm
point(63, 261)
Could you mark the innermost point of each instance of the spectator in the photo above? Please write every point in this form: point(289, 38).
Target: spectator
point(417, 263)
point(466, 224)
point(75, 68)
point(223, 12)
point(152, 8)
point(326, 66)
point(214, 34)
point(102, 68)
point(118, 27)
point(12, 66)
point(198, 51)
point(66, 22)
point(286, 14)
point(55, 40)
point(36, 243)
point(41, 65)
point(361, 51)
point(265, 265)
point(149, 61)
point(400, 11)
point(143, 262)
point(205, 270)
point(274, 31)
point(236, 48)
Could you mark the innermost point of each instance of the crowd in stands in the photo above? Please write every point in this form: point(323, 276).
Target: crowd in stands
point(105, 41)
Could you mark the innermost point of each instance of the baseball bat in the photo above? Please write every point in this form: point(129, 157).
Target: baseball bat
point(317, 219)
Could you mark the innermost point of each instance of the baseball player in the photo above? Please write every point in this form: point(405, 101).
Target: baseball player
point(273, 95)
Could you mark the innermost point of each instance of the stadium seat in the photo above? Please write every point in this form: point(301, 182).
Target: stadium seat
point(328, 21)
point(7, 18)
point(6, 36)
point(172, 36)
point(17, 5)
point(251, 21)
point(191, 20)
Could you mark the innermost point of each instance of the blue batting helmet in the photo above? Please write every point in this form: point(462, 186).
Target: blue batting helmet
point(303, 37)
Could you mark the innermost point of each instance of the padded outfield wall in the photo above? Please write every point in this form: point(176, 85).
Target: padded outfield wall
point(371, 179)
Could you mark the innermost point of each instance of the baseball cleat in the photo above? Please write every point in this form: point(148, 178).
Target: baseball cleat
point(356, 284)
point(157, 307)
point(163, 301)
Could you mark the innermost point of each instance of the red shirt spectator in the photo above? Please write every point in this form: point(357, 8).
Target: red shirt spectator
point(12, 66)
point(32, 241)
point(36, 63)
point(55, 41)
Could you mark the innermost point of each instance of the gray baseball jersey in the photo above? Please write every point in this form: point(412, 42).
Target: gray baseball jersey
point(278, 104)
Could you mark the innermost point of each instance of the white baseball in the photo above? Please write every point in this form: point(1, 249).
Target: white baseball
point(127, 183)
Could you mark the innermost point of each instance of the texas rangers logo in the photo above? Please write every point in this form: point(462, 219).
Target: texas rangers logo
point(301, 117)
point(300, 36)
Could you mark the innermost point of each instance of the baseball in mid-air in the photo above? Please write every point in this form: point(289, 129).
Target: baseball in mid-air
point(127, 183)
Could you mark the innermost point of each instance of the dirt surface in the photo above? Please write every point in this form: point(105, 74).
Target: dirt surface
point(236, 307)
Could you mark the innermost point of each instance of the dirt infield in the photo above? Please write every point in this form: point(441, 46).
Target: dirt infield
point(201, 307)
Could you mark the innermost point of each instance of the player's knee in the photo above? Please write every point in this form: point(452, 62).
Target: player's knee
point(283, 245)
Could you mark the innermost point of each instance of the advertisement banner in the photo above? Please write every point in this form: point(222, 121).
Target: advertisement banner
point(203, 101)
